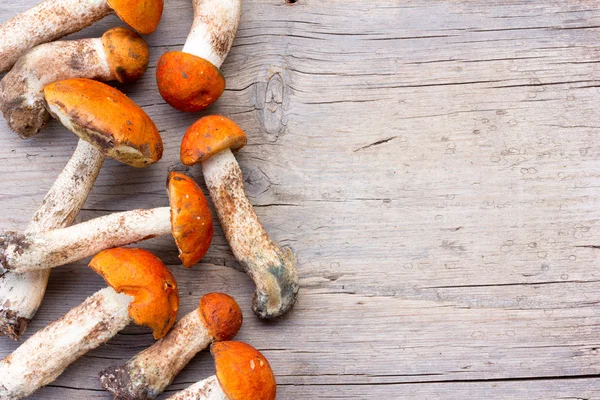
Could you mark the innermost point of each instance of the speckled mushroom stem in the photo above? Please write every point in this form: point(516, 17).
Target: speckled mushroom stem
point(39, 251)
point(21, 294)
point(208, 389)
point(272, 269)
point(44, 356)
point(120, 54)
point(213, 31)
point(147, 374)
point(46, 22)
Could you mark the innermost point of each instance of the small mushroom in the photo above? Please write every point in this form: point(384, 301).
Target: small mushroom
point(190, 80)
point(53, 19)
point(243, 373)
point(209, 141)
point(188, 219)
point(141, 289)
point(108, 123)
point(147, 374)
point(120, 54)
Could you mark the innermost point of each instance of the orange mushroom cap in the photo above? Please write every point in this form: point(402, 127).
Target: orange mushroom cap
point(106, 118)
point(243, 372)
point(127, 53)
point(208, 136)
point(187, 82)
point(191, 220)
point(221, 315)
point(141, 15)
point(143, 276)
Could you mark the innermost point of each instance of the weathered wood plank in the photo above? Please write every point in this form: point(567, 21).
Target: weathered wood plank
point(433, 164)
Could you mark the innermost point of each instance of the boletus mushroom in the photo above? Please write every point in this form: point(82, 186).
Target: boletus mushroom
point(141, 289)
point(147, 374)
point(53, 19)
point(188, 219)
point(108, 124)
point(190, 80)
point(210, 141)
point(120, 54)
point(243, 373)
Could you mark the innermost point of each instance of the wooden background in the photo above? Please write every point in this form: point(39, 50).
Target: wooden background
point(435, 166)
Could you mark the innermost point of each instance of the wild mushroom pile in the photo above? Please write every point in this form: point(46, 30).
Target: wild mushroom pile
point(48, 79)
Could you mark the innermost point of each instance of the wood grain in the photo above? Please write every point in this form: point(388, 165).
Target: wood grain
point(433, 164)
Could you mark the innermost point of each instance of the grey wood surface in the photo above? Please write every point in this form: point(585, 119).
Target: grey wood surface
point(433, 164)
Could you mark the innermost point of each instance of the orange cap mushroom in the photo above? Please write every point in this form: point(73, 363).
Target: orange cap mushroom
point(243, 372)
point(191, 220)
point(107, 119)
point(127, 54)
point(221, 314)
point(143, 276)
point(190, 80)
point(209, 141)
point(187, 82)
point(141, 15)
point(208, 136)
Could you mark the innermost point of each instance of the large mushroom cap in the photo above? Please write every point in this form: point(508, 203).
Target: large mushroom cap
point(127, 53)
point(208, 136)
point(187, 82)
point(191, 220)
point(243, 373)
point(141, 15)
point(141, 275)
point(221, 314)
point(107, 119)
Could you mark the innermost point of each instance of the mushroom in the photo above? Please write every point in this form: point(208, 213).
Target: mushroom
point(190, 80)
point(120, 54)
point(53, 19)
point(147, 374)
point(209, 141)
point(114, 126)
point(243, 373)
point(141, 289)
point(188, 219)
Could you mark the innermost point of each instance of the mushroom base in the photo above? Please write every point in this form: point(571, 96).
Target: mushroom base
point(11, 324)
point(272, 269)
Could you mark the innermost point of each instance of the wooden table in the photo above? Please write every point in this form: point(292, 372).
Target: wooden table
point(433, 164)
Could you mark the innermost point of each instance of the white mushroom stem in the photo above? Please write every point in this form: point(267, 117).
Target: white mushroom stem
point(21, 294)
point(44, 356)
point(208, 389)
point(213, 31)
point(21, 90)
point(43, 250)
point(46, 22)
point(272, 269)
point(147, 374)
